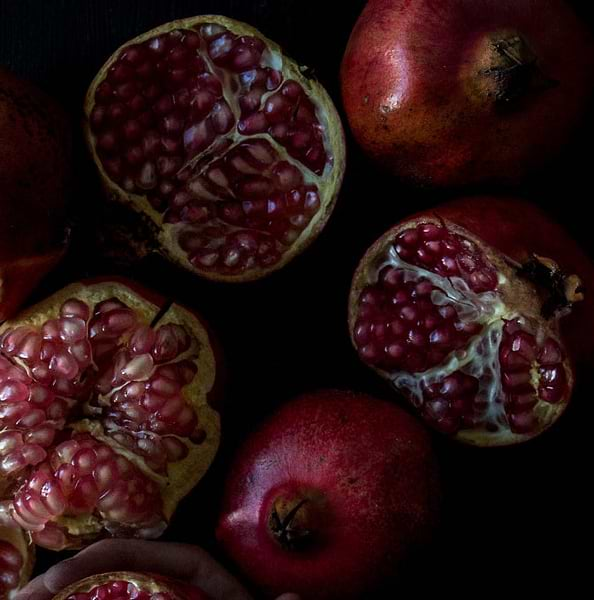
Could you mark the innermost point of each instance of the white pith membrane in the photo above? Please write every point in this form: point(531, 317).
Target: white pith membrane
point(118, 585)
point(460, 387)
point(207, 128)
point(104, 417)
point(16, 561)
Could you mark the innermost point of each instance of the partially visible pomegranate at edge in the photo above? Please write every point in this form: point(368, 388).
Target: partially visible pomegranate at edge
point(479, 311)
point(466, 91)
point(106, 416)
point(329, 497)
point(34, 180)
point(123, 585)
point(234, 156)
point(16, 561)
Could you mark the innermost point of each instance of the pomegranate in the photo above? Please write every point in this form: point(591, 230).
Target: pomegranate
point(329, 496)
point(130, 586)
point(105, 415)
point(466, 91)
point(16, 561)
point(476, 311)
point(34, 176)
point(231, 152)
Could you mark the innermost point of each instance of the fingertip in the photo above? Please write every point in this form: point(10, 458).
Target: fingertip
point(289, 596)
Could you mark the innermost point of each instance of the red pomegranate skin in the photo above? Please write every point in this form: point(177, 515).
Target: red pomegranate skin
point(34, 180)
point(370, 468)
point(426, 97)
point(519, 229)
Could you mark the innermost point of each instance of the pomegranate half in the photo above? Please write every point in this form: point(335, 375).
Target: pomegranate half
point(228, 149)
point(328, 498)
point(130, 586)
point(466, 91)
point(106, 420)
point(34, 177)
point(476, 311)
point(16, 561)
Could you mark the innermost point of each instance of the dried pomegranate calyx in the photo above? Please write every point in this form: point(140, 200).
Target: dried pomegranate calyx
point(445, 318)
point(205, 127)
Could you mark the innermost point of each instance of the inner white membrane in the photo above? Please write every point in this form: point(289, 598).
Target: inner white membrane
point(480, 358)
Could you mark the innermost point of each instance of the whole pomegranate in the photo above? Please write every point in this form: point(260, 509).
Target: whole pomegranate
point(477, 312)
point(329, 496)
point(231, 153)
point(34, 175)
point(105, 415)
point(130, 586)
point(466, 91)
point(16, 561)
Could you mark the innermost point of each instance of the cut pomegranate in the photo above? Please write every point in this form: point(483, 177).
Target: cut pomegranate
point(329, 498)
point(34, 177)
point(16, 561)
point(466, 92)
point(130, 586)
point(459, 308)
point(236, 157)
point(105, 422)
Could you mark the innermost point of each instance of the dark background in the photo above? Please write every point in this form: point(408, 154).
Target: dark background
point(515, 520)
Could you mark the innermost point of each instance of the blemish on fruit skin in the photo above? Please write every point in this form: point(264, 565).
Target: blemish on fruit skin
point(366, 100)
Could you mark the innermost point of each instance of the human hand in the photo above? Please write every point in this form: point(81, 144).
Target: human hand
point(183, 562)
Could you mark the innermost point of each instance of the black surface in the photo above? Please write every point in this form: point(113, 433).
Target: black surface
point(516, 519)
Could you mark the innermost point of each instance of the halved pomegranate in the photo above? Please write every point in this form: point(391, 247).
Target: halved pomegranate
point(466, 309)
point(16, 561)
point(231, 152)
point(34, 176)
point(329, 497)
point(130, 586)
point(105, 421)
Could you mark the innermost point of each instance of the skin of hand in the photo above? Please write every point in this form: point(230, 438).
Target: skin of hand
point(183, 562)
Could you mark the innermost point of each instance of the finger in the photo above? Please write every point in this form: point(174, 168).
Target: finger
point(289, 596)
point(178, 561)
point(35, 590)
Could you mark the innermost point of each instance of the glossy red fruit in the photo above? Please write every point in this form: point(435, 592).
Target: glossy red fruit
point(478, 311)
point(329, 496)
point(16, 561)
point(233, 155)
point(130, 586)
point(105, 413)
point(34, 176)
point(466, 91)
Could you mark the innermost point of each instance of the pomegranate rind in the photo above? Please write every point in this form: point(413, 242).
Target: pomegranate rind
point(33, 231)
point(181, 476)
point(523, 299)
point(328, 183)
point(21, 541)
point(145, 582)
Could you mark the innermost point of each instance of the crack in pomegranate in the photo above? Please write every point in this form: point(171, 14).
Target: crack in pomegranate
point(229, 153)
point(433, 318)
point(100, 362)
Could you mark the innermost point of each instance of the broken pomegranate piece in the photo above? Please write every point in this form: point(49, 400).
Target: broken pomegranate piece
point(105, 422)
point(205, 127)
point(474, 334)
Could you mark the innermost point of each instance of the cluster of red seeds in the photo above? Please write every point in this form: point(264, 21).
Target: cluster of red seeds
point(174, 104)
point(119, 590)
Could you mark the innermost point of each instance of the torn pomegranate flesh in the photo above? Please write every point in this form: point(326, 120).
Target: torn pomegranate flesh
point(103, 363)
point(120, 590)
point(434, 321)
point(11, 564)
point(228, 151)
